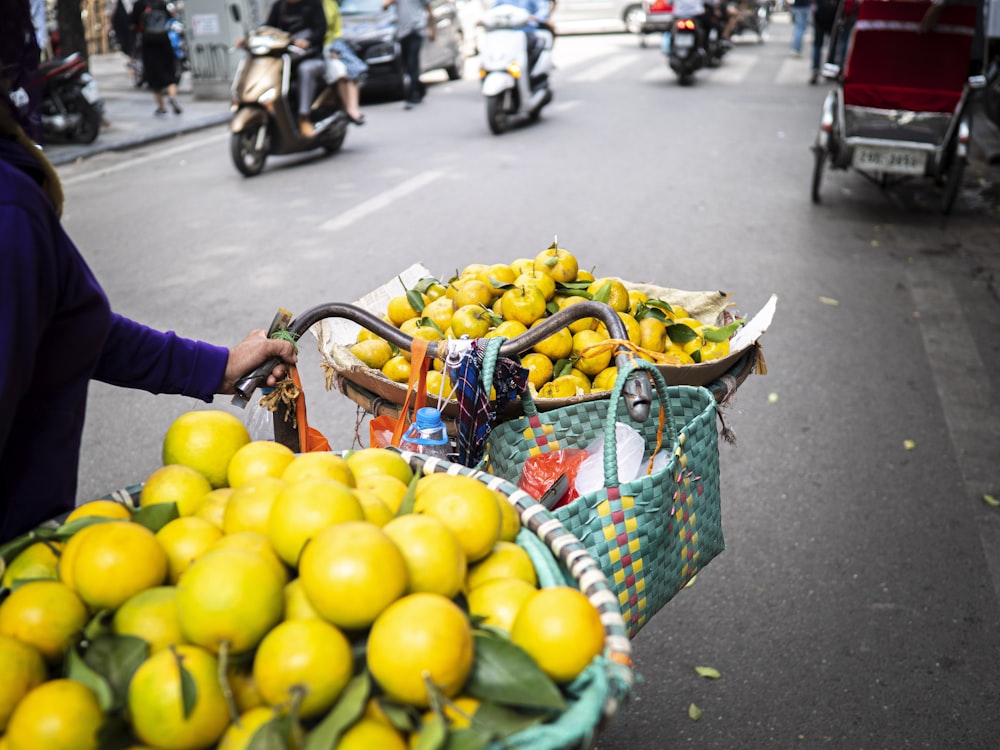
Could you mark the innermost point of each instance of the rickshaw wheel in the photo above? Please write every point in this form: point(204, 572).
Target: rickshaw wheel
point(952, 184)
point(820, 158)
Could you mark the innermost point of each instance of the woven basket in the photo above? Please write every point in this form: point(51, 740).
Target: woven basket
point(650, 535)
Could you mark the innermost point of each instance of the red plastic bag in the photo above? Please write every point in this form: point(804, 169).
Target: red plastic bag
point(542, 471)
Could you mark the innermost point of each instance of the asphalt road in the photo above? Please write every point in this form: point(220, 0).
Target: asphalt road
point(856, 605)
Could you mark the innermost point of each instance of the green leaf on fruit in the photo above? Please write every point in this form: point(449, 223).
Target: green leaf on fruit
point(681, 333)
point(467, 739)
point(77, 669)
point(504, 673)
point(189, 688)
point(155, 517)
point(432, 735)
point(604, 293)
point(428, 323)
point(500, 721)
point(722, 333)
point(709, 672)
point(659, 304)
point(551, 307)
point(990, 500)
point(416, 300)
point(562, 366)
point(347, 710)
point(694, 713)
point(410, 498)
point(276, 734)
point(425, 283)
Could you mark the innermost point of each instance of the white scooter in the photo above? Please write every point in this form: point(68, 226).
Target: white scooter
point(513, 93)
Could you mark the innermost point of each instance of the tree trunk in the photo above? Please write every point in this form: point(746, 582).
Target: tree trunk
point(72, 37)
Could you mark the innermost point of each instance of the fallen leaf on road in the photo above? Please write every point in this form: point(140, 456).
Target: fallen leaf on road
point(710, 672)
point(694, 712)
point(909, 445)
point(772, 398)
point(829, 301)
point(990, 500)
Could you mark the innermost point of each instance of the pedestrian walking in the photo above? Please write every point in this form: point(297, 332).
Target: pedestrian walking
point(800, 20)
point(160, 66)
point(824, 14)
point(351, 69)
point(413, 23)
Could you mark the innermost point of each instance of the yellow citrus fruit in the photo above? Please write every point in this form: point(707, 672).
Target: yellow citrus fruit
point(175, 483)
point(259, 544)
point(525, 304)
point(506, 560)
point(306, 507)
point(435, 560)
point(351, 572)
point(565, 386)
point(376, 462)
point(440, 311)
point(590, 360)
point(260, 458)
point(510, 519)
point(152, 616)
point(156, 703)
point(399, 309)
point(652, 334)
point(631, 327)
point(714, 350)
point(561, 630)
point(545, 283)
point(319, 464)
point(676, 351)
point(617, 293)
point(471, 320)
point(419, 637)
point(244, 689)
point(23, 669)
point(375, 510)
point(115, 561)
point(583, 384)
point(469, 508)
point(584, 275)
point(522, 265)
point(369, 734)
point(373, 352)
point(240, 733)
point(436, 384)
point(472, 291)
point(102, 508)
point(539, 368)
point(308, 659)
point(184, 540)
point(556, 346)
point(559, 263)
point(583, 324)
point(635, 298)
point(205, 440)
point(397, 369)
point(40, 560)
point(212, 507)
point(498, 601)
point(59, 714)
point(67, 557)
point(605, 379)
point(508, 329)
point(229, 596)
point(420, 328)
point(389, 490)
point(297, 604)
point(249, 507)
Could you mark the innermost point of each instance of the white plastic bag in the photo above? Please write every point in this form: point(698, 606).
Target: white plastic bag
point(630, 447)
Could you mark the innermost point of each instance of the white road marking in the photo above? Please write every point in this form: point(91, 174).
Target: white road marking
point(189, 143)
point(380, 201)
point(794, 70)
point(733, 70)
point(602, 69)
point(561, 106)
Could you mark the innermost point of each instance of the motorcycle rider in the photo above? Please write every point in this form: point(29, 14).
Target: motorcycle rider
point(539, 10)
point(305, 20)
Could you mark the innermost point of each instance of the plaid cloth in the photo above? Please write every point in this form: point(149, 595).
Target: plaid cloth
point(476, 413)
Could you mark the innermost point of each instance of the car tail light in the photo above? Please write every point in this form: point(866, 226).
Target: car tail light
point(661, 6)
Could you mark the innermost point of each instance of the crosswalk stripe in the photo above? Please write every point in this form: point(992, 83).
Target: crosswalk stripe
point(793, 71)
point(734, 69)
point(602, 69)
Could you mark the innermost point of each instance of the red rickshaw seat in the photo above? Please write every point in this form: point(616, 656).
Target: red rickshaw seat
point(893, 65)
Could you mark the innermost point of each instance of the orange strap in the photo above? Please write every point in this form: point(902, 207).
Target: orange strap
point(311, 440)
point(417, 386)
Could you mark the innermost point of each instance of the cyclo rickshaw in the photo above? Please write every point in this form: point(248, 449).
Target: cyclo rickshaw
point(901, 107)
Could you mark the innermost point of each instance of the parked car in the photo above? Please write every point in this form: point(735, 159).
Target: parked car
point(371, 32)
point(657, 16)
point(572, 15)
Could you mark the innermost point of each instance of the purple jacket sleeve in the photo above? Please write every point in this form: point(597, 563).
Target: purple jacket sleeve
point(137, 356)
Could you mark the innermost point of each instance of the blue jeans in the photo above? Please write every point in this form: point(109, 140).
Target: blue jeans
point(800, 17)
point(410, 49)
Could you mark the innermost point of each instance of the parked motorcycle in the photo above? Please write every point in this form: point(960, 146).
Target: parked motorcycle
point(753, 17)
point(265, 95)
point(72, 108)
point(515, 79)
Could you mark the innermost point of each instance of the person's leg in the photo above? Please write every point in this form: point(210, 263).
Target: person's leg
point(158, 96)
point(172, 94)
point(819, 35)
point(350, 97)
point(309, 73)
point(800, 16)
point(843, 37)
point(410, 51)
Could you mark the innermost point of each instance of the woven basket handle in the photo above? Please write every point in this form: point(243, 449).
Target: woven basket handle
point(610, 437)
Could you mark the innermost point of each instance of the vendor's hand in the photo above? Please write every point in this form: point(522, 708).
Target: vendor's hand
point(251, 353)
point(238, 44)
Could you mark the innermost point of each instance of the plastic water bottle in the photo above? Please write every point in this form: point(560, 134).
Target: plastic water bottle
point(260, 421)
point(427, 435)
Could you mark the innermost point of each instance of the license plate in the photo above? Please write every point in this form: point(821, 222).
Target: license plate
point(90, 92)
point(890, 160)
point(684, 41)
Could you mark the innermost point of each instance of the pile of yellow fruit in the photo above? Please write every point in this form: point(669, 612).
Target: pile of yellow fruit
point(259, 598)
point(508, 299)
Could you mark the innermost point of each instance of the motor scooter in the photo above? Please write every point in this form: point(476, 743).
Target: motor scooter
point(265, 95)
point(72, 108)
point(515, 80)
point(691, 47)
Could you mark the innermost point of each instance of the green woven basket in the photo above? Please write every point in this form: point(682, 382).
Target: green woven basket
point(651, 535)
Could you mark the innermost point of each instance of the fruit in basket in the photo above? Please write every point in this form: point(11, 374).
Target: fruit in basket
point(303, 662)
point(558, 262)
point(605, 379)
point(23, 669)
point(205, 440)
point(260, 458)
point(175, 483)
point(473, 321)
point(565, 386)
point(539, 368)
point(366, 734)
point(373, 462)
point(373, 352)
point(510, 519)
point(652, 334)
point(538, 277)
point(297, 604)
point(610, 291)
point(319, 464)
point(561, 630)
point(468, 507)
point(60, 714)
point(158, 710)
point(240, 733)
point(583, 384)
point(351, 572)
point(418, 638)
point(472, 291)
point(184, 540)
point(525, 304)
point(505, 560)
point(435, 560)
point(228, 600)
point(557, 346)
point(152, 616)
point(499, 600)
point(375, 510)
point(397, 369)
point(249, 507)
point(389, 490)
point(115, 561)
point(101, 508)
point(440, 311)
point(306, 507)
point(405, 306)
point(40, 560)
point(591, 354)
point(213, 506)
point(259, 544)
